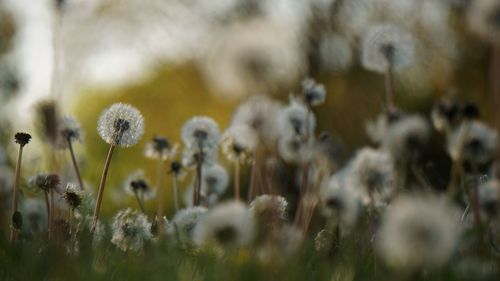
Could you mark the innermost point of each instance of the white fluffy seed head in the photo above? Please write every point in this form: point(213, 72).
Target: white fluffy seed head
point(264, 205)
point(215, 180)
point(137, 183)
point(229, 224)
point(185, 221)
point(372, 171)
point(239, 142)
point(489, 199)
point(69, 129)
point(387, 45)
point(121, 124)
point(473, 142)
point(296, 119)
point(131, 230)
point(406, 137)
point(160, 147)
point(340, 203)
point(200, 131)
point(313, 93)
point(260, 114)
point(418, 232)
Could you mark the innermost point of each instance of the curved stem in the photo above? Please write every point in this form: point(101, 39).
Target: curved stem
point(139, 201)
point(389, 89)
point(101, 188)
point(15, 191)
point(75, 164)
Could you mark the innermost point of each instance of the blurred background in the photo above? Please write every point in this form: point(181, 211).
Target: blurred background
point(174, 59)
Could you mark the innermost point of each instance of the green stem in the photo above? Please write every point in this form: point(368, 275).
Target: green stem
point(75, 164)
point(141, 205)
point(15, 191)
point(101, 188)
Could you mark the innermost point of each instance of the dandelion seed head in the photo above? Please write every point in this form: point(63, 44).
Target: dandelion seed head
point(238, 142)
point(296, 119)
point(22, 138)
point(314, 93)
point(69, 130)
point(184, 223)
point(373, 172)
point(473, 142)
point(200, 132)
point(418, 233)
point(228, 224)
point(177, 169)
point(387, 45)
point(293, 149)
point(214, 180)
point(73, 195)
point(259, 113)
point(131, 230)
point(121, 124)
point(136, 183)
point(160, 147)
point(406, 137)
point(44, 181)
point(489, 198)
point(269, 207)
point(340, 203)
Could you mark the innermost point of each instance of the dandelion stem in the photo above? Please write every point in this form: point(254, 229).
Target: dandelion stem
point(389, 89)
point(51, 212)
point(161, 191)
point(15, 190)
point(197, 187)
point(237, 180)
point(456, 165)
point(474, 196)
point(75, 164)
point(101, 188)
point(47, 204)
point(139, 201)
point(176, 197)
point(251, 189)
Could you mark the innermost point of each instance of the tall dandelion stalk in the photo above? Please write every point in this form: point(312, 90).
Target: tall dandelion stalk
point(175, 171)
point(70, 131)
point(201, 137)
point(119, 125)
point(22, 139)
point(160, 149)
point(237, 143)
point(387, 48)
